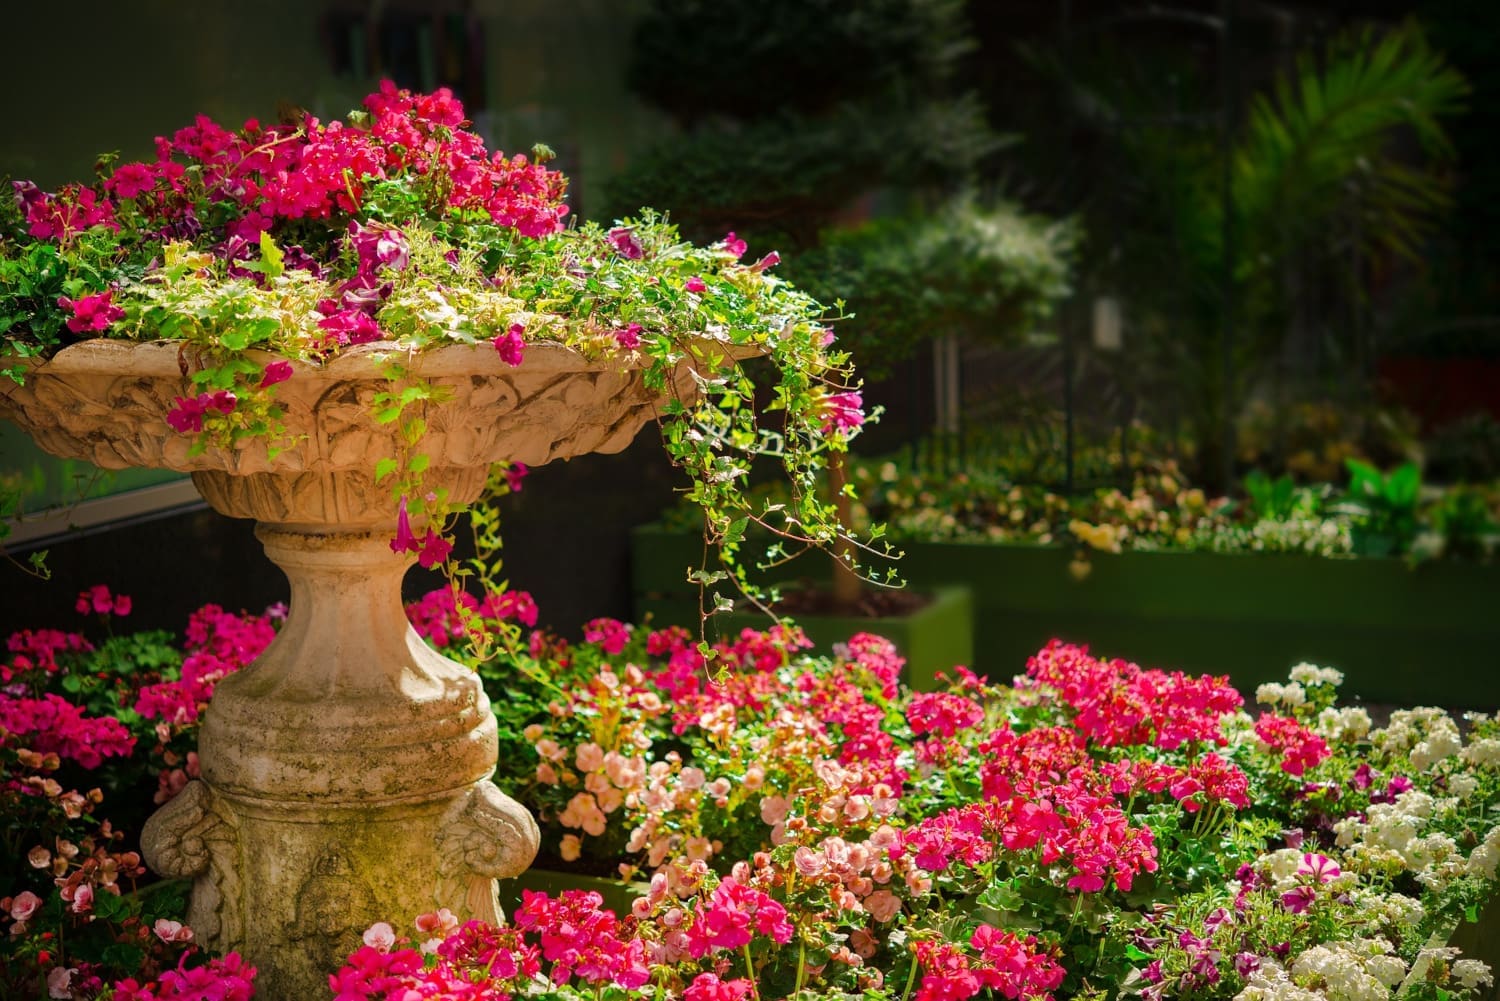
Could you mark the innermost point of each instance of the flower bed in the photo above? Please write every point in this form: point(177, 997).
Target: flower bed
point(809, 827)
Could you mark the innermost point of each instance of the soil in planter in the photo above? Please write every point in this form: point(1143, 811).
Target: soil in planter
point(874, 603)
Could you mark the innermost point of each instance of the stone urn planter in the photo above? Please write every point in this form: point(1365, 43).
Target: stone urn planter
point(345, 772)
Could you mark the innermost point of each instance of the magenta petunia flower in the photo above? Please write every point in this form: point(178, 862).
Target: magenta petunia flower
point(92, 312)
point(511, 345)
point(131, 179)
point(1321, 867)
point(276, 371)
point(622, 238)
point(186, 416)
point(695, 284)
point(405, 541)
point(1299, 899)
point(629, 338)
point(734, 245)
point(434, 549)
point(379, 247)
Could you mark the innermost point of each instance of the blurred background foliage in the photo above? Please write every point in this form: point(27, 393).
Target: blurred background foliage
point(1260, 235)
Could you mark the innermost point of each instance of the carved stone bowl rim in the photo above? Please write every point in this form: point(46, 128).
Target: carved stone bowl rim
point(165, 359)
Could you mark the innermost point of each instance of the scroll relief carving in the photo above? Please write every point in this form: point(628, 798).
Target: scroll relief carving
point(487, 836)
point(194, 837)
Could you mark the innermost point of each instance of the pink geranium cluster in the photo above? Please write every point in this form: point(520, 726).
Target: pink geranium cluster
point(1116, 702)
point(227, 978)
point(38, 650)
point(437, 619)
point(1299, 748)
point(53, 725)
point(266, 175)
point(218, 644)
point(1012, 966)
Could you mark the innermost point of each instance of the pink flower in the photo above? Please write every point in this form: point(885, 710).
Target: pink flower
point(708, 987)
point(379, 936)
point(514, 477)
point(186, 416)
point(83, 899)
point(769, 261)
point(24, 905)
point(734, 245)
point(629, 338)
point(130, 179)
point(1300, 748)
point(610, 634)
point(1299, 899)
point(98, 600)
point(276, 371)
point(695, 284)
point(92, 312)
point(1321, 867)
point(405, 540)
point(60, 982)
point(622, 238)
point(172, 931)
point(843, 412)
point(883, 905)
point(379, 247)
point(440, 922)
point(510, 345)
point(434, 550)
point(348, 327)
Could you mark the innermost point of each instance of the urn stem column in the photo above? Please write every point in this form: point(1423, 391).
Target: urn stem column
point(345, 777)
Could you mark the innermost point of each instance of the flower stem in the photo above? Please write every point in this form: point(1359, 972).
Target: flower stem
point(750, 972)
point(911, 978)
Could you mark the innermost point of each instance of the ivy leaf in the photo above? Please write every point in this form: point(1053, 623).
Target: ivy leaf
point(384, 468)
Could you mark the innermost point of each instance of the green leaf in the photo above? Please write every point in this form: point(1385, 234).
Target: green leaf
point(1001, 895)
point(271, 256)
point(1403, 484)
point(384, 468)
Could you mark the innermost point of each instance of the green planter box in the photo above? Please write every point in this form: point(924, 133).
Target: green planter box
point(1424, 635)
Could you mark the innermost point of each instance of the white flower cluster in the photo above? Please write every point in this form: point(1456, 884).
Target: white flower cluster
point(1485, 753)
point(1466, 974)
point(1485, 857)
point(1392, 834)
point(1314, 536)
point(1429, 736)
point(1343, 724)
point(1288, 696)
point(1312, 674)
point(1361, 970)
point(1395, 910)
